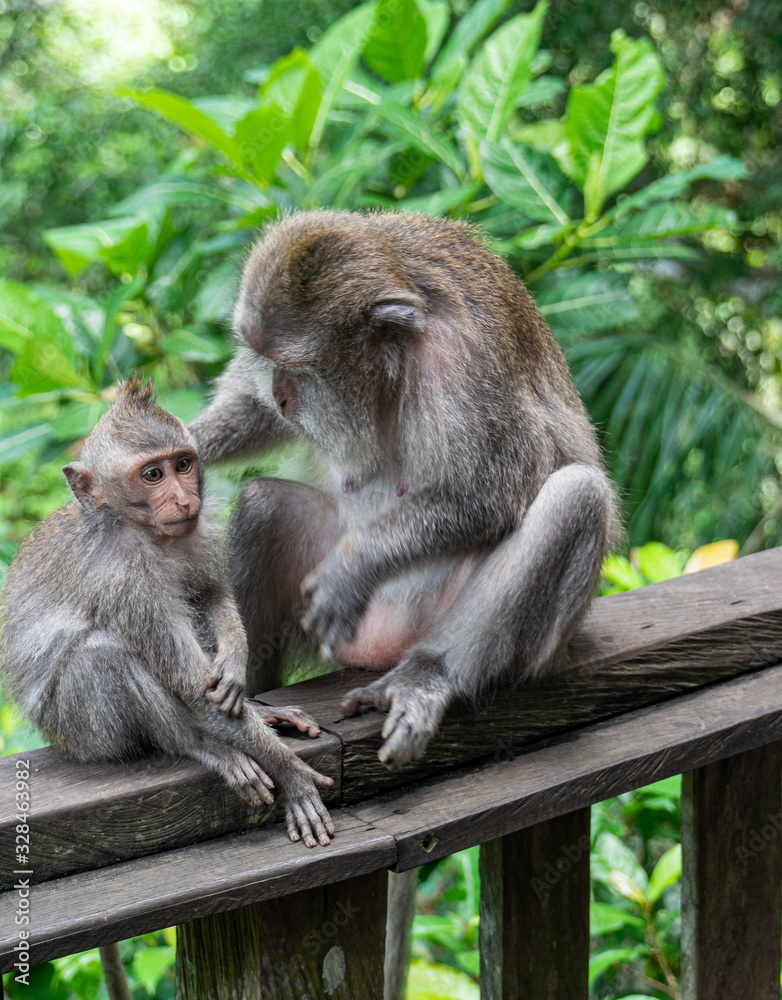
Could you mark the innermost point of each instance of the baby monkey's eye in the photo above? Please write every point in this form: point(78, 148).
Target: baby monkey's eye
point(153, 475)
point(184, 465)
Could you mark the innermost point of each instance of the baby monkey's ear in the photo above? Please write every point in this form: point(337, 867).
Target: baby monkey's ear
point(82, 481)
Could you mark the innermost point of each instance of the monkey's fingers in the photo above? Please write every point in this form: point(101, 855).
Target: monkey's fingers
point(373, 695)
point(252, 782)
point(295, 716)
point(309, 820)
point(226, 696)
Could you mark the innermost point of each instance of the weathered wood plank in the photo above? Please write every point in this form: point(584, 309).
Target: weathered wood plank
point(635, 649)
point(731, 895)
point(85, 816)
point(98, 907)
point(325, 942)
point(534, 932)
point(436, 819)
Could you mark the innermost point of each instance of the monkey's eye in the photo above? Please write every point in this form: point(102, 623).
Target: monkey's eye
point(153, 475)
point(184, 465)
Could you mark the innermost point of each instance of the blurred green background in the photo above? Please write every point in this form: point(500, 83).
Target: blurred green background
point(625, 158)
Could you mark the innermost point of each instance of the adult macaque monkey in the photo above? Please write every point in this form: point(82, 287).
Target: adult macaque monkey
point(460, 538)
point(120, 634)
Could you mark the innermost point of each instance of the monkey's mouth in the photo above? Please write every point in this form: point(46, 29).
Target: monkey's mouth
point(185, 520)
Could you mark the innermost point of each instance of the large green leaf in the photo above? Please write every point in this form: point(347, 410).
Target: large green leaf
point(334, 56)
point(662, 220)
point(721, 168)
point(527, 179)
point(607, 121)
point(414, 130)
point(574, 306)
point(24, 315)
point(667, 871)
point(189, 118)
point(294, 86)
point(19, 444)
point(438, 15)
point(497, 76)
point(124, 245)
point(469, 30)
point(261, 136)
point(42, 365)
point(396, 47)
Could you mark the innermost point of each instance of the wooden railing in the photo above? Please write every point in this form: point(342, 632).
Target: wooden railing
point(682, 676)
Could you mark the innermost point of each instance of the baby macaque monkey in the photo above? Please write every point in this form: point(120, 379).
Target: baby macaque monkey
point(120, 635)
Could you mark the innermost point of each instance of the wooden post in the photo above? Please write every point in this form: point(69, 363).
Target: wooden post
point(732, 856)
point(320, 944)
point(534, 935)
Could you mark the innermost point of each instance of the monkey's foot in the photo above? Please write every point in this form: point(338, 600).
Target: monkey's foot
point(415, 694)
point(293, 715)
point(307, 818)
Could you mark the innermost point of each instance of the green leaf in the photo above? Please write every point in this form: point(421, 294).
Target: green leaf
point(440, 202)
point(721, 168)
point(185, 404)
point(496, 78)
point(24, 315)
point(544, 90)
point(294, 86)
point(18, 444)
point(225, 111)
point(663, 221)
point(601, 961)
point(667, 871)
point(396, 47)
point(432, 981)
point(41, 365)
point(335, 55)
point(123, 244)
point(261, 136)
point(591, 301)
point(167, 191)
point(195, 346)
point(529, 180)
point(619, 571)
point(607, 121)
point(469, 30)
point(604, 918)
point(189, 118)
point(438, 16)
point(151, 964)
point(657, 562)
point(617, 856)
point(414, 130)
point(77, 419)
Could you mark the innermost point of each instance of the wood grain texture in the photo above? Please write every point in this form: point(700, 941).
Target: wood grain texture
point(732, 874)
point(435, 819)
point(87, 816)
point(98, 907)
point(534, 931)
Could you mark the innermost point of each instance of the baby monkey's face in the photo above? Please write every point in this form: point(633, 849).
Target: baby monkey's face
point(163, 492)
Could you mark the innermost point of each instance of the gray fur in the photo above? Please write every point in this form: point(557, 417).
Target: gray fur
point(112, 639)
point(418, 366)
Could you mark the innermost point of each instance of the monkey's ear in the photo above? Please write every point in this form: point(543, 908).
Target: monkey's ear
point(402, 311)
point(82, 481)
